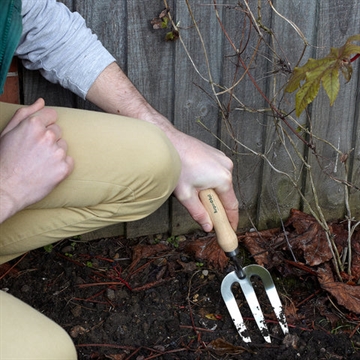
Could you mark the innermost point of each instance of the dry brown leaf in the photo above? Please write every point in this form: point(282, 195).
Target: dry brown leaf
point(300, 220)
point(116, 356)
point(222, 347)
point(188, 267)
point(346, 295)
point(291, 313)
point(208, 249)
point(355, 261)
point(313, 243)
point(259, 242)
point(7, 269)
point(145, 251)
point(257, 249)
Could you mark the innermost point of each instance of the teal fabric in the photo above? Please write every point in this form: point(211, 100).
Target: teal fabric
point(10, 33)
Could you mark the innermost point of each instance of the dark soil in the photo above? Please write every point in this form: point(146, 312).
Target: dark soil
point(168, 305)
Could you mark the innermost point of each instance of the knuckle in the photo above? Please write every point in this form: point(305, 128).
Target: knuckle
point(50, 135)
point(21, 112)
point(226, 180)
point(229, 164)
point(64, 170)
point(35, 120)
point(60, 154)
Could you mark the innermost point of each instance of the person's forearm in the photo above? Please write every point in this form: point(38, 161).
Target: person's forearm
point(114, 93)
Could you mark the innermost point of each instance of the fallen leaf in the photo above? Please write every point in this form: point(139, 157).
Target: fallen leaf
point(7, 269)
point(222, 347)
point(313, 243)
point(188, 267)
point(258, 243)
point(145, 251)
point(213, 316)
point(291, 313)
point(116, 356)
point(208, 249)
point(346, 295)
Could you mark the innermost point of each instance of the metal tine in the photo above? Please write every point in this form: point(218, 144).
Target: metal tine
point(271, 292)
point(232, 305)
point(251, 298)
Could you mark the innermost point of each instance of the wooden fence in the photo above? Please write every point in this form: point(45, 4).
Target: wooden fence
point(172, 76)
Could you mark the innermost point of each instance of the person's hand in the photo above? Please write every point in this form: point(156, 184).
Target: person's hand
point(33, 158)
point(204, 167)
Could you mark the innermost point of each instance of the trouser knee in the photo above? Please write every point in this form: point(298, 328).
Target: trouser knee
point(28, 334)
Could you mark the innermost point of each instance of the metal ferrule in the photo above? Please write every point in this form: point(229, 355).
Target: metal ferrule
point(233, 253)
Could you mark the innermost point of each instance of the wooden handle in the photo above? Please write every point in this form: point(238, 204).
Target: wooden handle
point(226, 236)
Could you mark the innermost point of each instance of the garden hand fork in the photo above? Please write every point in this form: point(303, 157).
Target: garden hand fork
point(228, 241)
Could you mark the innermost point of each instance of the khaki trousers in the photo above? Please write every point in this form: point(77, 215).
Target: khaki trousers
point(124, 170)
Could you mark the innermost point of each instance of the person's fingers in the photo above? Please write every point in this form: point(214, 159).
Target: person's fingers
point(54, 132)
point(196, 209)
point(23, 113)
point(70, 162)
point(45, 116)
point(231, 205)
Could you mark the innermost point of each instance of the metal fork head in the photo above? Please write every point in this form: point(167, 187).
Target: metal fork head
point(251, 298)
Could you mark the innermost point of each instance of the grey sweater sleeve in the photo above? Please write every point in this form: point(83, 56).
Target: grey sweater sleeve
point(58, 43)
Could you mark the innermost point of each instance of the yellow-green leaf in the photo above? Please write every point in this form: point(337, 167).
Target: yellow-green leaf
point(350, 50)
point(306, 95)
point(308, 78)
point(331, 84)
point(354, 38)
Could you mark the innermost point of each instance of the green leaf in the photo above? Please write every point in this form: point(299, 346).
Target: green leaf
point(331, 84)
point(354, 38)
point(49, 248)
point(164, 22)
point(306, 95)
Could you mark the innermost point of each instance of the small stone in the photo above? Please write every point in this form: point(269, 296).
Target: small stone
point(67, 249)
point(25, 288)
point(291, 341)
point(181, 238)
point(76, 311)
point(110, 294)
point(77, 330)
point(205, 272)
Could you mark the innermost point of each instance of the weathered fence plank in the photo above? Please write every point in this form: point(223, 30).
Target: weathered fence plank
point(191, 101)
point(282, 180)
point(337, 20)
point(243, 127)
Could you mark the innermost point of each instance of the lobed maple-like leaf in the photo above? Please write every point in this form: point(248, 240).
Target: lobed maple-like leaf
point(316, 72)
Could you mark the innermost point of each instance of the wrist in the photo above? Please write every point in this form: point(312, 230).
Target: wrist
point(7, 205)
